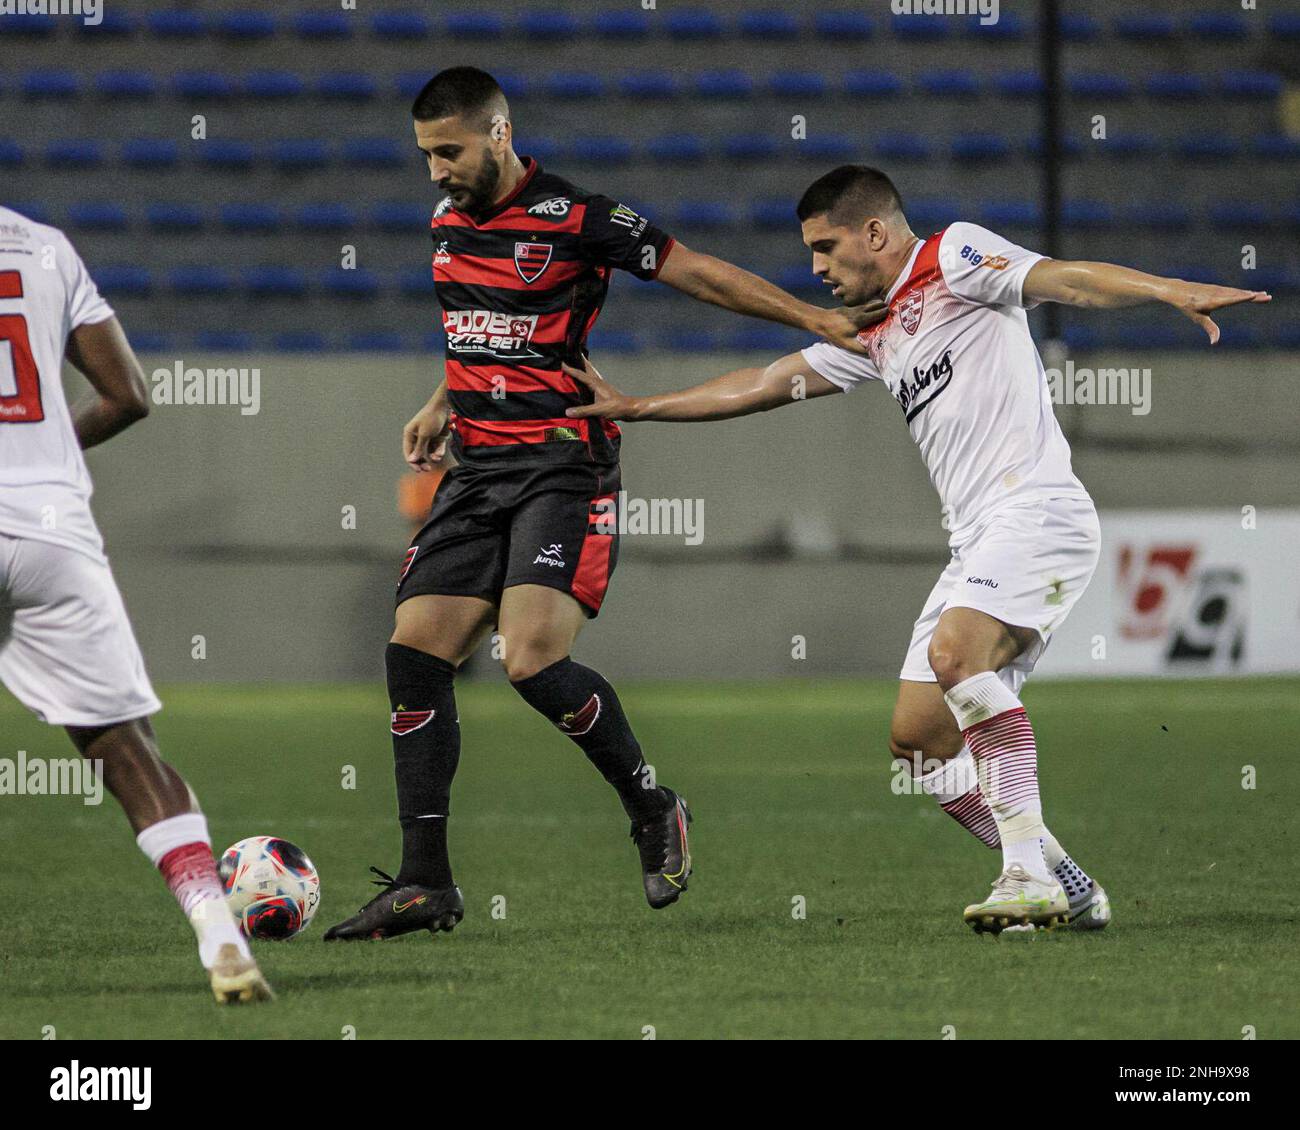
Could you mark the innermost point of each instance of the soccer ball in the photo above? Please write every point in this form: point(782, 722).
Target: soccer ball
point(271, 887)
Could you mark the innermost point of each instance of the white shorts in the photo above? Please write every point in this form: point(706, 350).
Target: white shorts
point(67, 651)
point(1026, 566)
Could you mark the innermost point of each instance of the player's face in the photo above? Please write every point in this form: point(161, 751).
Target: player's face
point(845, 259)
point(462, 161)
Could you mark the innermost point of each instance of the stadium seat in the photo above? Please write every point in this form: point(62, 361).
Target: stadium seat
point(401, 26)
point(797, 84)
point(981, 147)
point(837, 148)
point(112, 25)
point(1146, 28)
point(748, 147)
point(74, 154)
point(1284, 26)
point(693, 25)
point(1275, 147)
point(325, 216)
point(766, 339)
point(400, 216)
point(273, 84)
point(169, 217)
point(1078, 28)
point(244, 25)
point(1127, 146)
point(123, 281)
point(843, 26)
point(126, 84)
point(676, 149)
point(298, 154)
point(222, 153)
point(544, 150)
point(1238, 214)
point(1071, 147)
point(948, 84)
point(575, 85)
point(354, 283)
point(768, 23)
point(409, 83)
point(1199, 147)
point(614, 341)
point(723, 84)
point(27, 25)
point(930, 214)
point(374, 152)
point(648, 85)
point(323, 25)
point(11, 154)
point(774, 214)
point(348, 86)
point(800, 280)
point(299, 341)
point(1086, 215)
point(97, 215)
point(274, 282)
point(149, 341)
point(1158, 215)
point(709, 215)
point(600, 151)
point(1007, 28)
point(1218, 27)
point(208, 86)
point(1250, 85)
point(199, 280)
point(416, 283)
point(998, 214)
point(920, 28)
point(224, 341)
point(620, 24)
point(873, 84)
point(549, 26)
point(50, 84)
point(1152, 335)
point(246, 218)
point(899, 146)
point(475, 25)
point(1176, 87)
point(1098, 85)
point(175, 24)
point(1019, 84)
point(690, 341)
point(376, 341)
point(150, 153)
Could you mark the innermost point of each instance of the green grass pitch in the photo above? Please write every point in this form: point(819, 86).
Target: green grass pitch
point(791, 791)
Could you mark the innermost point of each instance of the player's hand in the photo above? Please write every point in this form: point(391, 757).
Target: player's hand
point(609, 403)
point(424, 439)
point(841, 327)
point(1197, 301)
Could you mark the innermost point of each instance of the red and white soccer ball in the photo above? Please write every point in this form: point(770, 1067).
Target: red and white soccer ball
point(271, 887)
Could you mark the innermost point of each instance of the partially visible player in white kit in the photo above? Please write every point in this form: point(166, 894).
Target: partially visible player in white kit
point(954, 349)
point(67, 651)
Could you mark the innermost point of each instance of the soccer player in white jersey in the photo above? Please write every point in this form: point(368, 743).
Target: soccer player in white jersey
point(67, 651)
point(954, 349)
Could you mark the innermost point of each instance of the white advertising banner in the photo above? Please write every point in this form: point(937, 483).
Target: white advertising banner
point(1187, 592)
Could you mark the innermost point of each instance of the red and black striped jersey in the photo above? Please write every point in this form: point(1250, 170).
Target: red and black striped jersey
point(520, 288)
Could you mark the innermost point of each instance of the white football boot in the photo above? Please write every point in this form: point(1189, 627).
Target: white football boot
point(1088, 911)
point(1019, 899)
point(236, 978)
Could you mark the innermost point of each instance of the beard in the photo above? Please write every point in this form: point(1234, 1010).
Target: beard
point(477, 195)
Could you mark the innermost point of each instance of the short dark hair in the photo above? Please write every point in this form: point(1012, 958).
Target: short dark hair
point(850, 194)
point(466, 91)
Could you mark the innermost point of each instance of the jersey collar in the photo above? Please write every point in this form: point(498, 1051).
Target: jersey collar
point(906, 272)
point(530, 169)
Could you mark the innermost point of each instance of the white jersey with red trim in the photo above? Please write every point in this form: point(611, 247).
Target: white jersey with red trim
point(956, 353)
point(45, 293)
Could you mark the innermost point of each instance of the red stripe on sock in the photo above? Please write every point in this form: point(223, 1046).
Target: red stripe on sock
point(190, 873)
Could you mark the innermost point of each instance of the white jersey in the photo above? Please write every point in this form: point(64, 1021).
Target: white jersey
point(956, 353)
point(45, 293)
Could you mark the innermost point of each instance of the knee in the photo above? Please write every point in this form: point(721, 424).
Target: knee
point(950, 667)
point(525, 656)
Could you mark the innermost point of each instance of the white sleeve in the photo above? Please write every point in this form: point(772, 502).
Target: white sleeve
point(86, 305)
point(983, 267)
point(839, 366)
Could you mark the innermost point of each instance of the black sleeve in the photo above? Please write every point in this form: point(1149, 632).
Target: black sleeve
point(615, 236)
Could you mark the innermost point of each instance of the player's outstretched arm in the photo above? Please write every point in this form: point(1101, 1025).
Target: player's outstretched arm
point(723, 284)
point(738, 393)
point(1106, 285)
point(101, 353)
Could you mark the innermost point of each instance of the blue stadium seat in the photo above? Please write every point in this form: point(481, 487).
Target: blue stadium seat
point(1152, 335)
point(250, 218)
point(224, 341)
point(768, 23)
point(51, 84)
point(705, 214)
point(1250, 85)
point(112, 25)
point(1146, 28)
point(1284, 26)
point(351, 86)
point(1275, 147)
point(416, 283)
point(1176, 87)
point(1287, 336)
point(1192, 272)
point(224, 153)
point(1238, 335)
point(772, 213)
point(575, 85)
point(548, 26)
point(126, 84)
point(1007, 28)
point(206, 85)
point(1019, 84)
point(600, 150)
point(326, 216)
point(676, 149)
point(797, 84)
point(897, 145)
point(124, 281)
point(1128, 146)
point(401, 216)
point(724, 84)
point(843, 26)
point(752, 338)
point(1071, 147)
point(949, 84)
point(169, 217)
point(648, 85)
point(297, 154)
point(873, 84)
point(828, 147)
point(409, 83)
point(800, 280)
point(980, 147)
point(274, 282)
point(149, 341)
point(1199, 147)
point(150, 153)
point(513, 86)
point(273, 84)
point(97, 215)
point(620, 24)
point(74, 154)
point(1080, 338)
point(1158, 215)
point(614, 341)
point(244, 25)
point(200, 280)
point(27, 25)
point(176, 24)
point(1078, 28)
point(1219, 27)
point(12, 154)
point(748, 147)
point(690, 341)
point(376, 341)
point(930, 214)
point(1098, 85)
point(693, 25)
point(375, 152)
point(998, 214)
point(299, 341)
point(475, 25)
point(1237, 214)
point(402, 26)
point(1086, 215)
point(323, 25)
point(543, 150)
point(920, 28)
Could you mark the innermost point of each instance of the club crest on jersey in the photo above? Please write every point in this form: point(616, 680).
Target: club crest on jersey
point(575, 723)
point(909, 311)
point(408, 721)
point(531, 259)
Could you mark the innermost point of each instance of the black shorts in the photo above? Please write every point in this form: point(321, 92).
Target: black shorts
point(488, 530)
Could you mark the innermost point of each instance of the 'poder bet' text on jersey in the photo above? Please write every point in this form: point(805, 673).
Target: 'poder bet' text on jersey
point(520, 287)
point(956, 353)
point(45, 294)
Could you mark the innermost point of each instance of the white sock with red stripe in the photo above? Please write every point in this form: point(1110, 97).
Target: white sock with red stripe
point(1001, 741)
point(955, 785)
point(181, 850)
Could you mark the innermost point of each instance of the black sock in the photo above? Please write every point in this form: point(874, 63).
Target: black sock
point(582, 705)
point(426, 751)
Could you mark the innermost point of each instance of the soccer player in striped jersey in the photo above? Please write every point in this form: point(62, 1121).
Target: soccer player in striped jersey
point(522, 533)
point(955, 352)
